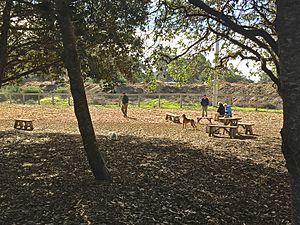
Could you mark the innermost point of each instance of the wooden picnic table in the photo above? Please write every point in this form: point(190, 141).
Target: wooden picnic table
point(232, 121)
point(23, 124)
point(208, 118)
point(214, 129)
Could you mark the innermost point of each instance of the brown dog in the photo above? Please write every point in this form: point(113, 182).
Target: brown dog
point(186, 121)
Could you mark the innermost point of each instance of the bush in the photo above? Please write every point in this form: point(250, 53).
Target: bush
point(62, 90)
point(32, 89)
point(12, 89)
point(57, 101)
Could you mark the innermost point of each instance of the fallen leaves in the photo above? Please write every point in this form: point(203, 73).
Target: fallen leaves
point(162, 173)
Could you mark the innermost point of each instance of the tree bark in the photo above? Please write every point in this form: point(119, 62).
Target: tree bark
point(4, 38)
point(288, 28)
point(82, 113)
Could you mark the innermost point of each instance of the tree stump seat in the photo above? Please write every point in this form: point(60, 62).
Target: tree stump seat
point(23, 124)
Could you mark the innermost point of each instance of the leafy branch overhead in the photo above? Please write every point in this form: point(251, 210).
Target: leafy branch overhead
point(106, 32)
point(245, 29)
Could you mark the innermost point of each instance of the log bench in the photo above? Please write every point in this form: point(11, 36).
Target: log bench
point(23, 124)
point(213, 129)
point(247, 127)
point(173, 117)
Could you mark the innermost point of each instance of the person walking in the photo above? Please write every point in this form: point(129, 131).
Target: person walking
point(124, 107)
point(204, 104)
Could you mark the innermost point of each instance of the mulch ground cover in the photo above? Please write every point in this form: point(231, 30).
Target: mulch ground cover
point(162, 174)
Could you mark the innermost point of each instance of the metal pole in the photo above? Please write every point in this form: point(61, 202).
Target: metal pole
point(158, 101)
point(216, 76)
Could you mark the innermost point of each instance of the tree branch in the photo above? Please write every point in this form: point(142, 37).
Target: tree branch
point(39, 68)
point(251, 34)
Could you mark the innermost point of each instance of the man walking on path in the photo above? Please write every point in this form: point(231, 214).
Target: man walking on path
point(204, 104)
point(124, 104)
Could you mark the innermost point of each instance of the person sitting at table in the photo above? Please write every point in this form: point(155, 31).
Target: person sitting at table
point(221, 109)
point(228, 111)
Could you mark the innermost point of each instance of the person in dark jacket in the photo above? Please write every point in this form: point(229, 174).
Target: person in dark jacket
point(221, 109)
point(204, 104)
point(124, 107)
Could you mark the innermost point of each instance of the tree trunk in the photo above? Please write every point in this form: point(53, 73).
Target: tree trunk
point(82, 113)
point(288, 28)
point(4, 37)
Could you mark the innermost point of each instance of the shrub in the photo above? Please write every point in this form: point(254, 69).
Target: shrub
point(57, 101)
point(12, 89)
point(62, 90)
point(32, 89)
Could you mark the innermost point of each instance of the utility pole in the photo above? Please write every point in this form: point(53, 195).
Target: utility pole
point(216, 76)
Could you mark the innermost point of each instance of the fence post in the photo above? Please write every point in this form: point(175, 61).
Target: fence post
point(256, 104)
point(39, 98)
point(23, 98)
point(52, 98)
point(139, 101)
point(10, 101)
point(180, 101)
point(158, 101)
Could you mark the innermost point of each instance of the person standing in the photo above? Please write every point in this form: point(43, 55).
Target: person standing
point(124, 107)
point(204, 104)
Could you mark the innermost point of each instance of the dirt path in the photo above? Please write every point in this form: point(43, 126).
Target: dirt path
point(162, 173)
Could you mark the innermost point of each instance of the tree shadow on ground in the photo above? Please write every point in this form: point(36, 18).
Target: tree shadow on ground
point(45, 179)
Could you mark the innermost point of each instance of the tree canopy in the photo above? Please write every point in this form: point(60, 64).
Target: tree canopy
point(106, 38)
point(245, 29)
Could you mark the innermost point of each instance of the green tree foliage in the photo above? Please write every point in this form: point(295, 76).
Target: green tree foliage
point(245, 29)
point(188, 68)
point(108, 42)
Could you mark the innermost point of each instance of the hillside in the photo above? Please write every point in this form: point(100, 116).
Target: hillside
point(262, 95)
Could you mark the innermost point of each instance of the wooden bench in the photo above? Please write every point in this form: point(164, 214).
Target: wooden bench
point(203, 118)
point(213, 129)
point(247, 127)
point(173, 117)
point(23, 124)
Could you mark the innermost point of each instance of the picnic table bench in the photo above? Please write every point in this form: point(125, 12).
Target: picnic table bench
point(204, 117)
point(232, 121)
point(23, 124)
point(247, 127)
point(215, 129)
point(173, 117)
